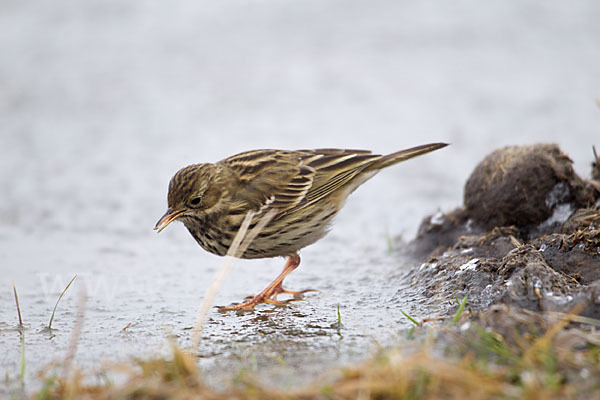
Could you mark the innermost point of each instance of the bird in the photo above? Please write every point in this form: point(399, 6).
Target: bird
point(305, 189)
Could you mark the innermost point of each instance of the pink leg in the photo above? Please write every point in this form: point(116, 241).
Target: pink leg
point(272, 290)
point(269, 294)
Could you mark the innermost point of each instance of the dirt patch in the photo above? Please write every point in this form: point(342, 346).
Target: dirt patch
point(528, 237)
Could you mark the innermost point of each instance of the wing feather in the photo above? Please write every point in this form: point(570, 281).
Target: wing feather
point(273, 176)
point(292, 180)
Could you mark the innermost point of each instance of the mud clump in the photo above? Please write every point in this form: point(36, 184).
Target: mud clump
point(522, 186)
point(440, 231)
point(528, 237)
point(596, 169)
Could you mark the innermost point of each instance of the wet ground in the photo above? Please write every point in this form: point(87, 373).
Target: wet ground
point(102, 102)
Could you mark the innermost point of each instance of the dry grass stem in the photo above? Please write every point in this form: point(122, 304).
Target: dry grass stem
point(75, 333)
point(18, 307)
point(544, 341)
point(240, 243)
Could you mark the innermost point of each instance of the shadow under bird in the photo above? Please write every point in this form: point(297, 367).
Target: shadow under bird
point(304, 188)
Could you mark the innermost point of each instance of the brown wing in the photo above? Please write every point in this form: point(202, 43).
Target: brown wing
point(269, 177)
point(292, 180)
point(334, 169)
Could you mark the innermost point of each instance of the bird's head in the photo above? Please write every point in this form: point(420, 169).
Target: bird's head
point(193, 191)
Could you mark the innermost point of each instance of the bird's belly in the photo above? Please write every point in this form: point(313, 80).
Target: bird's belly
point(282, 236)
point(288, 234)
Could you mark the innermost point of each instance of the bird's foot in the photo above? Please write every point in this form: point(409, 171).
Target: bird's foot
point(253, 302)
point(269, 294)
point(267, 298)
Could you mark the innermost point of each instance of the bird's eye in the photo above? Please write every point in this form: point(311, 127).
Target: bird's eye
point(195, 201)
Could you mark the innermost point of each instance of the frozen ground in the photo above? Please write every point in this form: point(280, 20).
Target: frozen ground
point(102, 101)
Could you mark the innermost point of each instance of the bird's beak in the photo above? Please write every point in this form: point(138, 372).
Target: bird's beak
point(170, 216)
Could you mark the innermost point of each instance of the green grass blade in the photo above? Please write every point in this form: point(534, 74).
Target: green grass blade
point(57, 301)
point(390, 242)
point(22, 372)
point(338, 325)
point(411, 319)
point(460, 310)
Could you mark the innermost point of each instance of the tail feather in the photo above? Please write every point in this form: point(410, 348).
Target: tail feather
point(404, 155)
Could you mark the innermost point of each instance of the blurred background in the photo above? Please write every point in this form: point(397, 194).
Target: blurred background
point(102, 101)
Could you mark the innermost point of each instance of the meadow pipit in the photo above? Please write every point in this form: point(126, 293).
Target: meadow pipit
point(306, 188)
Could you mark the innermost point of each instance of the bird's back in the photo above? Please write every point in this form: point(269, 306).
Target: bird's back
point(304, 188)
